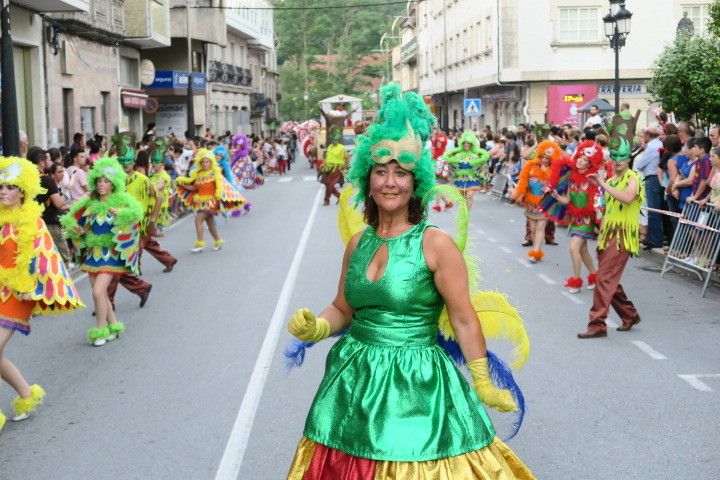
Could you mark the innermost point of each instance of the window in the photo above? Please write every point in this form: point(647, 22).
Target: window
point(579, 24)
point(87, 121)
point(129, 72)
point(699, 14)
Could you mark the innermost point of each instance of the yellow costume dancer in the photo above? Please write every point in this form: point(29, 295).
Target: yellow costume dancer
point(207, 192)
point(33, 277)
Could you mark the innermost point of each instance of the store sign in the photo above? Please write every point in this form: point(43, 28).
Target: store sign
point(132, 101)
point(633, 89)
point(171, 118)
point(564, 102)
point(177, 79)
point(147, 72)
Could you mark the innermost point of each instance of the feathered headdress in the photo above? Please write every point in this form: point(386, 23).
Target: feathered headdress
point(124, 143)
point(159, 146)
point(551, 148)
point(109, 168)
point(241, 144)
point(22, 173)
point(400, 133)
point(593, 152)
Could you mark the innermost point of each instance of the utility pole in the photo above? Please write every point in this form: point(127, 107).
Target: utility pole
point(190, 106)
point(446, 106)
point(10, 128)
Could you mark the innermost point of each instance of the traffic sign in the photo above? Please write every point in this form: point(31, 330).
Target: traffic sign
point(472, 107)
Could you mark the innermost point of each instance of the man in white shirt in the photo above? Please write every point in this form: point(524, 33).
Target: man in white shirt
point(595, 118)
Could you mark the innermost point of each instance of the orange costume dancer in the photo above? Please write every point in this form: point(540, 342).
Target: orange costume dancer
point(532, 182)
point(33, 277)
point(206, 191)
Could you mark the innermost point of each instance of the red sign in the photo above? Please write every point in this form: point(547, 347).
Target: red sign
point(565, 101)
point(134, 100)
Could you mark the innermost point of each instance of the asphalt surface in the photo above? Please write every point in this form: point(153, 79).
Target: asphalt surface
point(197, 387)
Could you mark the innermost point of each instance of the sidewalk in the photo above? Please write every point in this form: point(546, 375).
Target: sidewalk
point(657, 256)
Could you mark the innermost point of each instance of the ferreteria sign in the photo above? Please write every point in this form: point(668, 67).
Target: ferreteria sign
point(627, 89)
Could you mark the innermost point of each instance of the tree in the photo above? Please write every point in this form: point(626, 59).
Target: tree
point(309, 30)
point(683, 79)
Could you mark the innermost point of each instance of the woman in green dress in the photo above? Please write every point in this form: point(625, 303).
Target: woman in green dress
point(392, 405)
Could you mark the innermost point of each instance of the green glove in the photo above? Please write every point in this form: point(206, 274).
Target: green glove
point(500, 400)
point(308, 328)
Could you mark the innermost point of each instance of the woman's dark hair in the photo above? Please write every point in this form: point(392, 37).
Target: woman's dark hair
point(52, 168)
point(143, 160)
point(54, 154)
point(94, 146)
point(70, 157)
point(672, 146)
point(371, 212)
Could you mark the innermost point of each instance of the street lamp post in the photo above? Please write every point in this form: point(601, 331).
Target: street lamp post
point(10, 128)
point(617, 28)
point(306, 97)
point(190, 105)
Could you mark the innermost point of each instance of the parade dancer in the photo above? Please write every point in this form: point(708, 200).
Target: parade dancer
point(336, 159)
point(406, 411)
point(580, 198)
point(33, 277)
point(105, 229)
point(162, 183)
point(242, 165)
point(468, 166)
point(207, 192)
point(530, 190)
point(442, 171)
point(141, 189)
point(618, 240)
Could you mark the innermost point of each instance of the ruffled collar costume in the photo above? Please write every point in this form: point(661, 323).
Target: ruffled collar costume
point(109, 242)
point(33, 277)
point(392, 338)
point(213, 194)
point(468, 168)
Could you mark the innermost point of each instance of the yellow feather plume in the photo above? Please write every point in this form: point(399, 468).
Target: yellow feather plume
point(350, 220)
point(498, 319)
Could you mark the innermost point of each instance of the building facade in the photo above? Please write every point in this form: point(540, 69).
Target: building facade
point(539, 61)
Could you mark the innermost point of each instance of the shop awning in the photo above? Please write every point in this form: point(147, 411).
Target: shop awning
point(132, 98)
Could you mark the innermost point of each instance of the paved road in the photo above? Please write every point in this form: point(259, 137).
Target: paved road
point(163, 401)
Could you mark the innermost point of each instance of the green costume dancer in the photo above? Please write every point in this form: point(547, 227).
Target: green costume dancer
point(468, 165)
point(392, 404)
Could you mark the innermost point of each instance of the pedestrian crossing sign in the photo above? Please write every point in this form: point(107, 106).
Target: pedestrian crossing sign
point(472, 107)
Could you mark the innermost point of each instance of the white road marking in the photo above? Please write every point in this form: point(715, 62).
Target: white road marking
point(83, 275)
point(285, 179)
point(546, 279)
point(652, 353)
point(232, 458)
point(506, 249)
point(698, 384)
point(490, 239)
point(573, 298)
point(611, 323)
point(524, 262)
point(310, 178)
point(481, 231)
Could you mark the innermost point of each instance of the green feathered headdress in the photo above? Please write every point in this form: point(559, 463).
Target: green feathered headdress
point(158, 150)
point(621, 130)
point(400, 133)
point(124, 143)
point(109, 168)
point(467, 137)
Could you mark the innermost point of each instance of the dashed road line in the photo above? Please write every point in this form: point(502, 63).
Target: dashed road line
point(572, 298)
point(525, 263)
point(651, 352)
point(285, 179)
point(310, 178)
point(490, 239)
point(546, 279)
point(480, 231)
point(611, 323)
point(506, 249)
point(697, 384)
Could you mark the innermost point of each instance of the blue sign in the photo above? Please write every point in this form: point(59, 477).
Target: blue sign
point(472, 107)
point(177, 79)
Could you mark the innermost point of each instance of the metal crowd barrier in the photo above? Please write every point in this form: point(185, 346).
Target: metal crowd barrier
point(696, 242)
point(499, 183)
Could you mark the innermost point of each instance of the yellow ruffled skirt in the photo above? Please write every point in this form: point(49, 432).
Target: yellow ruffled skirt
point(497, 461)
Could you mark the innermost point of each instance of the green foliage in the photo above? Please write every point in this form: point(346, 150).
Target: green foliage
point(714, 22)
point(350, 33)
point(684, 79)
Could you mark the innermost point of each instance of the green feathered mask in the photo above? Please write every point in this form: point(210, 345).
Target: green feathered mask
point(404, 125)
point(107, 168)
point(158, 151)
point(124, 143)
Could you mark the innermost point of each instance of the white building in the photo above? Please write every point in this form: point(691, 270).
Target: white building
point(542, 58)
point(242, 76)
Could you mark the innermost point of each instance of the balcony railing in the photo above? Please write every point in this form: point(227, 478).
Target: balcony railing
point(219, 72)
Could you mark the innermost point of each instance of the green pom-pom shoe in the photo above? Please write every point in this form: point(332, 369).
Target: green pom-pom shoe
point(98, 336)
